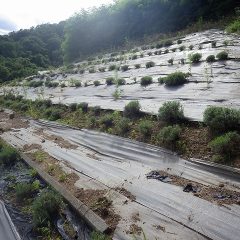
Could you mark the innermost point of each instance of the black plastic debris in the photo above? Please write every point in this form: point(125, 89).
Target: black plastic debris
point(190, 188)
point(156, 175)
point(222, 196)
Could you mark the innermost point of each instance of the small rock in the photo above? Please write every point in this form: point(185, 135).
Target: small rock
point(221, 185)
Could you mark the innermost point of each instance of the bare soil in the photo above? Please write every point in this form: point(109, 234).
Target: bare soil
point(126, 193)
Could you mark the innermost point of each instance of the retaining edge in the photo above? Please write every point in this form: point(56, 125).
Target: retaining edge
point(82, 210)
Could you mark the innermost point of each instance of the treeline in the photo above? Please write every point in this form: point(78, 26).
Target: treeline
point(24, 52)
point(113, 25)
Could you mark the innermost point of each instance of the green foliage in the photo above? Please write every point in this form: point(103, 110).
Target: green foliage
point(53, 114)
point(175, 79)
point(210, 59)
point(222, 56)
point(195, 58)
point(8, 155)
point(92, 70)
point(35, 84)
point(102, 69)
point(171, 112)
point(107, 120)
point(113, 67)
point(145, 128)
point(169, 136)
point(46, 207)
point(213, 44)
point(78, 84)
point(123, 126)
point(96, 83)
point(26, 190)
point(110, 81)
point(170, 61)
point(83, 106)
point(191, 47)
point(137, 66)
point(234, 27)
point(150, 64)
point(132, 109)
point(220, 119)
point(226, 147)
point(179, 41)
point(99, 236)
point(121, 81)
point(145, 81)
point(182, 48)
point(124, 68)
point(73, 107)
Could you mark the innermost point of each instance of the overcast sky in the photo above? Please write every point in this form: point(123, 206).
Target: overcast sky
point(20, 14)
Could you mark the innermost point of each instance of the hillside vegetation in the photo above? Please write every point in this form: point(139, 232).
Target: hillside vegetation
point(108, 27)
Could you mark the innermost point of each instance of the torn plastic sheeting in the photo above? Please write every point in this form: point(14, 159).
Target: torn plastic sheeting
point(7, 228)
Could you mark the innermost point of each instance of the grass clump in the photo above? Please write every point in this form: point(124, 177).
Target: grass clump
point(92, 70)
point(26, 190)
point(46, 208)
point(171, 112)
point(150, 64)
point(53, 114)
point(175, 79)
point(234, 27)
point(137, 66)
point(125, 68)
point(222, 56)
point(8, 155)
point(110, 81)
point(182, 48)
point(170, 61)
point(145, 81)
point(123, 126)
point(221, 119)
point(132, 109)
point(102, 69)
point(113, 67)
point(73, 107)
point(121, 81)
point(169, 136)
point(83, 106)
point(195, 58)
point(99, 236)
point(145, 128)
point(96, 83)
point(210, 59)
point(226, 147)
point(107, 120)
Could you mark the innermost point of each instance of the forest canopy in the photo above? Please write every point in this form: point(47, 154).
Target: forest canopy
point(24, 52)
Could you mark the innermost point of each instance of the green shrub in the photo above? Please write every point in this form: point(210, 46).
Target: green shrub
point(91, 122)
point(179, 41)
point(53, 114)
point(8, 155)
point(63, 85)
point(226, 146)
point(134, 57)
point(220, 119)
point(149, 53)
point(83, 106)
point(113, 67)
point(102, 69)
point(96, 83)
point(195, 58)
point(92, 70)
point(46, 208)
point(121, 81)
point(82, 71)
point(222, 56)
point(150, 64)
point(159, 45)
point(175, 79)
point(96, 110)
point(145, 128)
point(137, 66)
point(123, 126)
point(169, 136)
point(107, 120)
point(170, 61)
point(213, 44)
point(167, 43)
point(99, 236)
point(145, 81)
point(36, 84)
point(234, 27)
point(166, 51)
point(182, 48)
point(73, 107)
point(191, 47)
point(26, 190)
point(124, 68)
point(132, 109)
point(110, 81)
point(210, 59)
point(78, 84)
point(171, 112)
